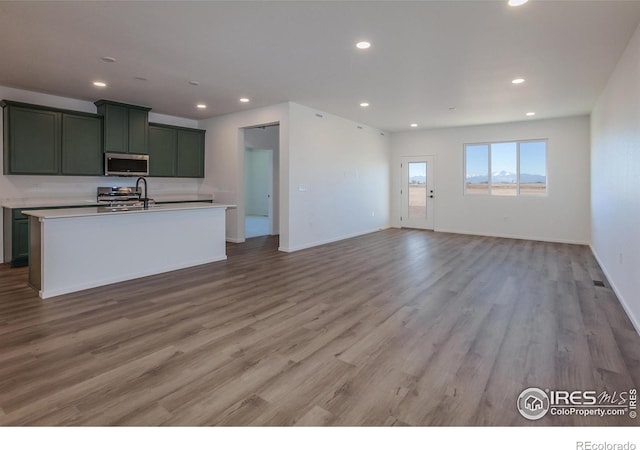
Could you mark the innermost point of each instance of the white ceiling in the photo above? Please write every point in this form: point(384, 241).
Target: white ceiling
point(426, 57)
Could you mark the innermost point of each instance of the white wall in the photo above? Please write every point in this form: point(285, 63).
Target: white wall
point(343, 170)
point(268, 138)
point(41, 186)
point(339, 178)
point(224, 163)
point(615, 177)
point(563, 216)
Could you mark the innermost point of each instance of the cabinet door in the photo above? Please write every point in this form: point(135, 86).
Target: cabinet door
point(162, 151)
point(81, 145)
point(34, 141)
point(190, 154)
point(138, 131)
point(116, 129)
point(20, 244)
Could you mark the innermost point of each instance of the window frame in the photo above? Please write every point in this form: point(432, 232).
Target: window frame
point(489, 182)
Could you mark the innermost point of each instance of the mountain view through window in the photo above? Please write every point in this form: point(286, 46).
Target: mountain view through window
point(506, 168)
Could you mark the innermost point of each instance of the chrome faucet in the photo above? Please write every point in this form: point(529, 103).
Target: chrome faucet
point(145, 199)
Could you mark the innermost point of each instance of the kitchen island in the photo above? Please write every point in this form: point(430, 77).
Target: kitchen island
point(16, 224)
point(81, 248)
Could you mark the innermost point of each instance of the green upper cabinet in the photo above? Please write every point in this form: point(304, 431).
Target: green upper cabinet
point(138, 130)
point(176, 151)
point(31, 139)
point(116, 128)
point(190, 153)
point(163, 151)
point(39, 140)
point(81, 144)
point(125, 127)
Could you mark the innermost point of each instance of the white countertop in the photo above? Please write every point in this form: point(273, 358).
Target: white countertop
point(95, 211)
point(17, 203)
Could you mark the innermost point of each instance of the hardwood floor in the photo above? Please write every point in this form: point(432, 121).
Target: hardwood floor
point(399, 327)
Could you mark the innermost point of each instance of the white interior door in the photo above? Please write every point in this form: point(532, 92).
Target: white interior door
point(270, 191)
point(417, 192)
point(258, 190)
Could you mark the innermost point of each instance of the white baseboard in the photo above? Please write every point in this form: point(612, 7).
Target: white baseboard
point(634, 321)
point(329, 241)
point(235, 240)
point(508, 236)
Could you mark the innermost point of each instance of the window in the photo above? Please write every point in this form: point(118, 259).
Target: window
point(506, 168)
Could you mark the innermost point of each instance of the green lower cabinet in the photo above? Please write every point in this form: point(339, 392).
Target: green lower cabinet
point(20, 243)
point(190, 154)
point(16, 231)
point(81, 145)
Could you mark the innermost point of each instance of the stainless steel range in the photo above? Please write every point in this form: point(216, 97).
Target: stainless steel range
point(121, 199)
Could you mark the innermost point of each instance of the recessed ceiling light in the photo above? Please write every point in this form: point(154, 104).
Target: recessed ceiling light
point(363, 45)
point(364, 104)
point(244, 100)
point(108, 59)
point(452, 108)
point(100, 84)
point(517, 2)
point(194, 83)
point(531, 113)
point(517, 80)
point(141, 79)
point(201, 105)
point(413, 125)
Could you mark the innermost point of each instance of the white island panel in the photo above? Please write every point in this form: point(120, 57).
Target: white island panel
point(84, 251)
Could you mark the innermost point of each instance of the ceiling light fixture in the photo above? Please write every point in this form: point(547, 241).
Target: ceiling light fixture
point(364, 104)
point(194, 83)
point(201, 105)
point(244, 100)
point(531, 113)
point(414, 125)
point(363, 45)
point(517, 81)
point(108, 59)
point(517, 2)
point(100, 84)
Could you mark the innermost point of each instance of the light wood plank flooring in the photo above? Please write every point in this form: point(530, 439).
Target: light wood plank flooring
point(399, 327)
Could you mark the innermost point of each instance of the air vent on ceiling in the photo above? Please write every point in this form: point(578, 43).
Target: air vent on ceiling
point(598, 283)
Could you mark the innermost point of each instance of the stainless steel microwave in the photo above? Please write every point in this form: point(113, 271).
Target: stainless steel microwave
point(126, 164)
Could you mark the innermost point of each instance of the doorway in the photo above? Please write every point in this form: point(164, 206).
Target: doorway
point(417, 192)
point(260, 180)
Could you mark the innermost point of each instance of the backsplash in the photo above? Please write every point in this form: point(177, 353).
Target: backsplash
point(37, 186)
